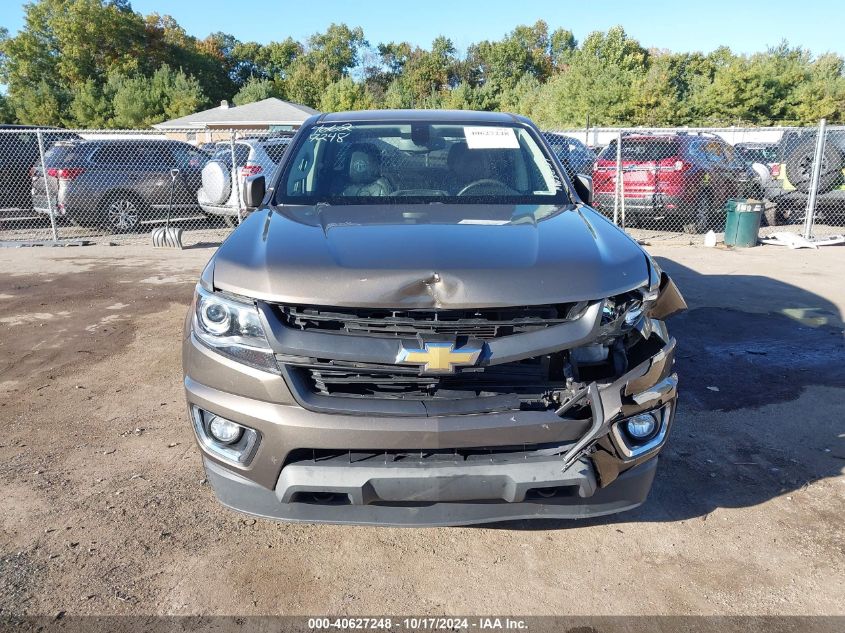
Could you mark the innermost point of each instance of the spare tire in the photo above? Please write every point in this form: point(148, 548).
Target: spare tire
point(216, 182)
point(799, 166)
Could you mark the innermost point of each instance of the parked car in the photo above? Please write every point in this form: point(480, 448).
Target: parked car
point(761, 156)
point(576, 157)
point(426, 324)
point(18, 155)
point(791, 174)
point(763, 153)
point(217, 196)
point(118, 184)
point(682, 177)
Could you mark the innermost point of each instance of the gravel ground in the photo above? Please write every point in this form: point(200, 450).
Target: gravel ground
point(104, 508)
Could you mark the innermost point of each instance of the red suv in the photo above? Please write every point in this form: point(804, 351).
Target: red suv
point(684, 176)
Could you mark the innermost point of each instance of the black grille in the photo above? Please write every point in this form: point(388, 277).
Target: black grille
point(485, 323)
point(532, 378)
point(428, 455)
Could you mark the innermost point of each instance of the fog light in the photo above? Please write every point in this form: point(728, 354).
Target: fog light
point(226, 440)
point(641, 426)
point(225, 431)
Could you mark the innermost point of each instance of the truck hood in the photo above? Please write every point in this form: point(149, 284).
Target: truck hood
point(570, 255)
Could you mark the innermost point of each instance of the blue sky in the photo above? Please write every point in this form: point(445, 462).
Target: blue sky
point(680, 25)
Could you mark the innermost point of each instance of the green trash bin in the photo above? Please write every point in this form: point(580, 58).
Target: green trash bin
point(742, 222)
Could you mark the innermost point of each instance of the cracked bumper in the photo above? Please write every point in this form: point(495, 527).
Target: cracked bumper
point(579, 471)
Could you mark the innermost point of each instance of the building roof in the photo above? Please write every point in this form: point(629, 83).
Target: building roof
point(270, 111)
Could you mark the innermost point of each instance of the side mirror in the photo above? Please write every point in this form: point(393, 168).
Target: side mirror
point(584, 188)
point(254, 189)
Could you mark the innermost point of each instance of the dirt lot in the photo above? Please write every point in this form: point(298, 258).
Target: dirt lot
point(104, 508)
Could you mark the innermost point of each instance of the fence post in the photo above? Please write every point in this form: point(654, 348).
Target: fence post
point(617, 191)
point(40, 138)
point(622, 194)
point(809, 216)
point(236, 184)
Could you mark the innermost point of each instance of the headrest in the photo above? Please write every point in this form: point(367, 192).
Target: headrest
point(364, 164)
point(465, 163)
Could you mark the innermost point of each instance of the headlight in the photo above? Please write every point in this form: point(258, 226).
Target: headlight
point(629, 306)
point(633, 306)
point(232, 328)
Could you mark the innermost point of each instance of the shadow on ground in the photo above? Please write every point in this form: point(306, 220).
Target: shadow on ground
point(745, 430)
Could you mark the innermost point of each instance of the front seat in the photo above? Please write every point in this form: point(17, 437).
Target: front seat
point(364, 173)
point(465, 166)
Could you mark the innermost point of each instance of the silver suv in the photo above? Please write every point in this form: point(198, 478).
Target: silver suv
point(118, 184)
point(217, 196)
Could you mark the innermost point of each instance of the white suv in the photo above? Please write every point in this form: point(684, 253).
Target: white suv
point(217, 196)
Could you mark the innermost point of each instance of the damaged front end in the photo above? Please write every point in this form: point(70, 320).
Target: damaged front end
point(554, 405)
point(602, 362)
point(625, 378)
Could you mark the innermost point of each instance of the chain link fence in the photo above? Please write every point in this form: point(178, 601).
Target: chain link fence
point(677, 183)
point(659, 184)
point(70, 185)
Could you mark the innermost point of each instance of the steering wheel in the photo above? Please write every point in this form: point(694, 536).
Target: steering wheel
point(491, 186)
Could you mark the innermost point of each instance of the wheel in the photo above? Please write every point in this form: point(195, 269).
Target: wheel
point(771, 215)
point(799, 166)
point(701, 216)
point(122, 213)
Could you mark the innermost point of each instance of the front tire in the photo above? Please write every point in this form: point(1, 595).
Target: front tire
point(700, 218)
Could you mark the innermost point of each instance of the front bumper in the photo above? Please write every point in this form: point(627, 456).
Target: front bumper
point(575, 468)
point(627, 492)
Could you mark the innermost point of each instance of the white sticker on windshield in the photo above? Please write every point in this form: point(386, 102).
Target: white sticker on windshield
point(490, 137)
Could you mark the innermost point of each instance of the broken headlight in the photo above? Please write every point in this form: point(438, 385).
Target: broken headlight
point(232, 328)
point(632, 307)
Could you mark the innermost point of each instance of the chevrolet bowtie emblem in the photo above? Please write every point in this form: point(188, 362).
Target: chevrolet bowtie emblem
point(439, 358)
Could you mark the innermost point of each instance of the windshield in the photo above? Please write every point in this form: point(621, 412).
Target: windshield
point(760, 154)
point(643, 149)
point(420, 162)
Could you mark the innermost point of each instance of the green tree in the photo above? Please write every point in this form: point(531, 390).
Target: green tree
point(6, 113)
point(387, 64)
point(327, 57)
point(167, 43)
point(345, 94)
point(90, 106)
point(257, 89)
point(399, 94)
point(427, 73)
point(598, 83)
point(37, 104)
point(502, 63)
point(654, 96)
point(562, 46)
point(264, 61)
point(140, 101)
point(523, 97)
point(822, 94)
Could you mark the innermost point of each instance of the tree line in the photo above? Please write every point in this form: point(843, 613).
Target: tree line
point(100, 64)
